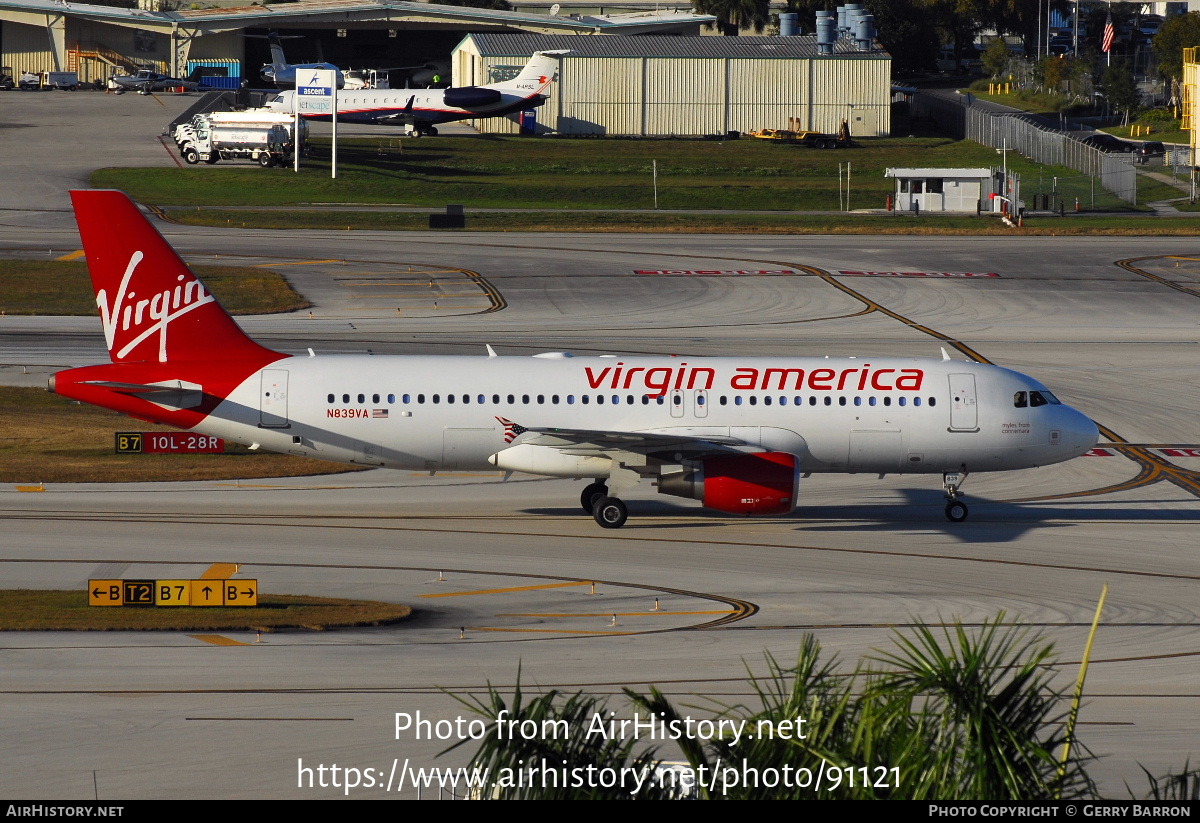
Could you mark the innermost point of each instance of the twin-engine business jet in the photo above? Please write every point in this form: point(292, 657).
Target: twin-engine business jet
point(419, 111)
point(736, 433)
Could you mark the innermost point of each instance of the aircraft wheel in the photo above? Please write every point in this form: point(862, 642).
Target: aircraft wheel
point(191, 156)
point(610, 513)
point(591, 495)
point(956, 511)
point(432, 131)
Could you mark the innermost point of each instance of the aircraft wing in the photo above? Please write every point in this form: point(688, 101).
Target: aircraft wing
point(591, 442)
point(178, 394)
point(405, 117)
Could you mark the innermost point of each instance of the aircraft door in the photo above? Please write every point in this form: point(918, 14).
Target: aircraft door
point(273, 399)
point(677, 404)
point(964, 410)
point(700, 403)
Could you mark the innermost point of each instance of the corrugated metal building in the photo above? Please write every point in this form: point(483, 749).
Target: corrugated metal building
point(655, 85)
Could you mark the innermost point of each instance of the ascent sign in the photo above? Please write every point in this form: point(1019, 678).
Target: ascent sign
point(314, 91)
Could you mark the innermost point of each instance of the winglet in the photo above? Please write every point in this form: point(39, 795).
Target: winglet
point(944, 355)
point(491, 352)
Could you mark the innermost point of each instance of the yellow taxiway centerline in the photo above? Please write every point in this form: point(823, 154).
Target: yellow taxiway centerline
point(218, 640)
point(605, 614)
point(511, 589)
point(299, 263)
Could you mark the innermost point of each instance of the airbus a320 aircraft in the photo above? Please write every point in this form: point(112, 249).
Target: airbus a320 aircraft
point(736, 433)
point(420, 111)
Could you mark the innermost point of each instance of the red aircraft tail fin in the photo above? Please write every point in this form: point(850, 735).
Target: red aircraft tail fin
point(152, 307)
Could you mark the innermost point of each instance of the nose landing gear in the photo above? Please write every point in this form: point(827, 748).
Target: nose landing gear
point(956, 510)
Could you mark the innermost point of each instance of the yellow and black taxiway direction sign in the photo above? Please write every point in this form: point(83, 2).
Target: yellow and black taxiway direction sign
point(173, 592)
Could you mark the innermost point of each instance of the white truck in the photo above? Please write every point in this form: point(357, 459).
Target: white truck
point(265, 145)
point(249, 118)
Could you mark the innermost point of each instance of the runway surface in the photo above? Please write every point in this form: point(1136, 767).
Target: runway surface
point(509, 577)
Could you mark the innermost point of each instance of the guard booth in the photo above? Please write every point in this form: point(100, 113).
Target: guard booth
point(942, 190)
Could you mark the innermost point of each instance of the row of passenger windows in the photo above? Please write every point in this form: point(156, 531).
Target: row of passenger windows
point(646, 399)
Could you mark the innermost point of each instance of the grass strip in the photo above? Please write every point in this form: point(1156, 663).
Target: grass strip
point(54, 287)
point(545, 173)
point(896, 223)
point(45, 438)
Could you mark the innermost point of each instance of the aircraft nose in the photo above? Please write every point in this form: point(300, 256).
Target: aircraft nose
point(1084, 433)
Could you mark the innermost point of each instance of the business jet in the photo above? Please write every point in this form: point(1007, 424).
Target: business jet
point(736, 433)
point(146, 81)
point(282, 73)
point(419, 111)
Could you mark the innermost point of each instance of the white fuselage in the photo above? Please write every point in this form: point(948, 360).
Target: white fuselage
point(878, 415)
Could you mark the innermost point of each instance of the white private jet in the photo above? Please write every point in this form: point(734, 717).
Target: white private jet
point(736, 433)
point(420, 110)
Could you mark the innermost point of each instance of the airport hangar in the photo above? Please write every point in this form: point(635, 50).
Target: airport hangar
point(666, 81)
point(661, 86)
point(97, 41)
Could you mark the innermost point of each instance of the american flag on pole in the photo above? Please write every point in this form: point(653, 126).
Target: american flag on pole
point(1110, 34)
point(511, 430)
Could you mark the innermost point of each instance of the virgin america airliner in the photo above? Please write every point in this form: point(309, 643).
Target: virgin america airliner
point(736, 433)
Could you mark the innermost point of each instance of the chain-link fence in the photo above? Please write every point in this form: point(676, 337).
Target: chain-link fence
point(1031, 139)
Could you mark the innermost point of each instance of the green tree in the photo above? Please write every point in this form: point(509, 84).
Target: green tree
point(1120, 89)
point(735, 15)
point(1175, 35)
point(995, 57)
point(905, 28)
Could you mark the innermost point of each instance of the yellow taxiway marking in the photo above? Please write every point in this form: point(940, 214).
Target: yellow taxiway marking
point(218, 640)
point(220, 571)
point(75, 255)
point(605, 614)
point(1170, 257)
point(538, 631)
point(276, 486)
point(298, 263)
point(31, 488)
point(511, 589)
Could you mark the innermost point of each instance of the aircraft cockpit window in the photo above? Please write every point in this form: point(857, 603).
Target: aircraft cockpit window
point(1051, 399)
point(1020, 400)
point(1037, 399)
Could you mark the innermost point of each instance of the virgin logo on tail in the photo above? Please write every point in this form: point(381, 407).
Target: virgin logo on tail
point(150, 314)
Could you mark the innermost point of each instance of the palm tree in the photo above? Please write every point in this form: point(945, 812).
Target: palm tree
point(734, 15)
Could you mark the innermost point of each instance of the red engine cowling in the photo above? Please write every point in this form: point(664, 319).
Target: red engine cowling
point(749, 484)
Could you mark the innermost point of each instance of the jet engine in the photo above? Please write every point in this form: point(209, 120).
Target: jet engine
point(471, 97)
point(750, 484)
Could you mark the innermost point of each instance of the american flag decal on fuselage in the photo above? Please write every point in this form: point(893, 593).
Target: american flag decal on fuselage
point(511, 430)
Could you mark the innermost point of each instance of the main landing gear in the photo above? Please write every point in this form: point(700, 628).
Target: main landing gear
point(956, 510)
point(609, 512)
